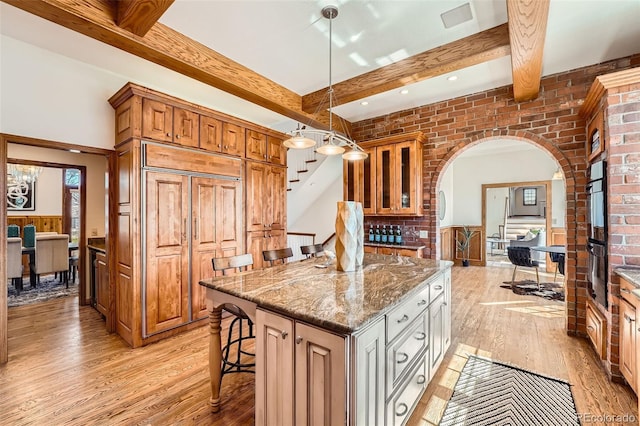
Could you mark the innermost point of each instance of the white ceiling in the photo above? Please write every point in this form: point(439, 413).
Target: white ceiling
point(287, 42)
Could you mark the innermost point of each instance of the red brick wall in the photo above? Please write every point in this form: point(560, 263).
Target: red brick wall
point(551, 122)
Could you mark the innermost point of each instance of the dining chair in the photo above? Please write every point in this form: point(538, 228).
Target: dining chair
point(521, 256)
point(312, 250)
point(14, 262)
point(52, 255)
point(229, 365)
point(555, 258)
point(273, 256)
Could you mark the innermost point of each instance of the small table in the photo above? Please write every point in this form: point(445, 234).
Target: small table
point(495, 241)
point(550, 249)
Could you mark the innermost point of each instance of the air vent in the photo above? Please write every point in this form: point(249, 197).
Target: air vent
point(457, 16)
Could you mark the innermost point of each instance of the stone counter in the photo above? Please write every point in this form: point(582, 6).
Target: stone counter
point(399, 246)
point(633, 276)
point(341, 301)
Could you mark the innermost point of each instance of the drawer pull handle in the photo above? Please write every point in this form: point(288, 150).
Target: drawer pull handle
point(284, 334)
point(403, 319)
point(421, 336)
point(624, 290)
point(402, 409)
point(403, 360)
point(590, 328)
point(438, 287)
point(421, 379)
point(628, 318)
point(422, 302)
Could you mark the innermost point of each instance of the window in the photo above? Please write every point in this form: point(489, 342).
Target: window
point(529, 196)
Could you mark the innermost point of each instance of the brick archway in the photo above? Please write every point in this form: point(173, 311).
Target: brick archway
point(575, 266)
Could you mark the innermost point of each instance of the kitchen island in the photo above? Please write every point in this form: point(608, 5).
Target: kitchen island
point(338, 347)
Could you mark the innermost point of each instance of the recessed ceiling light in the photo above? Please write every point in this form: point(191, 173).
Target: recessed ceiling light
point(452, 78)
point(75, 151)
point(404, 91)
point(364, 103)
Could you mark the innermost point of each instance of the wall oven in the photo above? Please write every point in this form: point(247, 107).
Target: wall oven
point(597, 232)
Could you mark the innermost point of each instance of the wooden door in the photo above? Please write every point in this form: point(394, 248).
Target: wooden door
point(320, 376)
point(404, 184)
point(257, 242)
point(102, 284)
point(257, 196)
point(274, 370)
point(628, 344)
point(276, 152)
point(210, 134)
point(256, 143)
point(233, 139)
point(157, 120)
point(186, 127)
point(167, 251)
point(276, 209)
point(385, 179)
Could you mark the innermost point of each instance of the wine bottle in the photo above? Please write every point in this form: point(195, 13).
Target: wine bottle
point(371, 235)
point(377, 236)
point(398, 235)
point(391, 238)
point(383, 239)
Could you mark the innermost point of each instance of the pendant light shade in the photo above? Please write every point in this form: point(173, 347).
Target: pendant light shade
point(354, 154)
point(330, 149)
point(298, 141)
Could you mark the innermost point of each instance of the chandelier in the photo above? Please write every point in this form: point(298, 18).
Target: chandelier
point(332, 142)
point(23, 173)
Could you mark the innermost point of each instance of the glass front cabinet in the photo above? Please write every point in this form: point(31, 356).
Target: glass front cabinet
point(389, 181)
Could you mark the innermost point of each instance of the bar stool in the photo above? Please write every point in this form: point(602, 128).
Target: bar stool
point(312, 250)
point(225, 264)
point(273, 256)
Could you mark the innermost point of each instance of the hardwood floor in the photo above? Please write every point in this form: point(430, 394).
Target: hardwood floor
point(65, 369)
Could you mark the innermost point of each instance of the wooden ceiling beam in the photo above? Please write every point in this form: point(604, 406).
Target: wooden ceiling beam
point(527, 30)
point(472, 50)
point(173, 50)
point(138, 16)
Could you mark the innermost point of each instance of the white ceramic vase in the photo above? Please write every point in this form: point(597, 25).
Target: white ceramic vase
point(349, 235)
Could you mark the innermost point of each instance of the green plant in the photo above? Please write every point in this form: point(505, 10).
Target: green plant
point(463, 241)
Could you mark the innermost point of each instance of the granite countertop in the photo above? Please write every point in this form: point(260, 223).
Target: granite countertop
point(402, 246)
point(633, 276)
point(340, 301)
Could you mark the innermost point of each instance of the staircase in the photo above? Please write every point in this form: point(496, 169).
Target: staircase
point(520, 225)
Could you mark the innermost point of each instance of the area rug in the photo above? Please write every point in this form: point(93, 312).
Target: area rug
point(49, 288)
point(492, 393)
point(551, 291)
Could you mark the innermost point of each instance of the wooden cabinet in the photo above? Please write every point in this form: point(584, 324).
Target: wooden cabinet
point(164, 122)
point(301, 376)
point(629, 331)
point(595, 136)
point(261, 147)
point(389, 181)
point(102, 283)
point(596, 329)
point(397, 251)
point(233, 139)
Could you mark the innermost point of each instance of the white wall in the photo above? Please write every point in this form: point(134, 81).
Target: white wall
point(48, 191)
point(446, 185)
point(495, 209)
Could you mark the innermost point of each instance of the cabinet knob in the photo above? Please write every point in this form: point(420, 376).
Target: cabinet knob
point(219, 145)
point(421, 336)
point(298, 340)
point(168, 134)
point(422, 302)
point(401, 409)
point(421, 379)
point(403, 319)
point(226, 147)
point(590, 328)
point(177, 136)
point(629, 319)
point(438, 287)
point(265, 156)
point(284, 334)
point(402, 358)
point(444, 303)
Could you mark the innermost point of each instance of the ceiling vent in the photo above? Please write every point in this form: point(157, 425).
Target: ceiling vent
point(457, 16)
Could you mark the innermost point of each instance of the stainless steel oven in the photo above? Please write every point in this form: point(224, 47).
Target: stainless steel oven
point(597, 272)
point(597, 232)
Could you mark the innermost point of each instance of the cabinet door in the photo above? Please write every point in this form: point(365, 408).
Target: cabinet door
point(369, 182)
point(320, 375)
point(437, 332)
point(369, 375)
point(233, 139)
point(257, 196)
point(276, 152)
point(404, 183)
point(274, 370)
point(256, 145)
point(102, 284)
point(257, 242)
point(628, 344)
point(352, 183)
point(276, 208)
point(186, 127)
point(210, 134)
point(167, 256)
point(385, 179)
point(157, 120)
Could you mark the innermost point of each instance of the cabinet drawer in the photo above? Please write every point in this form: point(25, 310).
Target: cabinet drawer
point(596, 329)
point(403, 315)
point(625, 291)
point(436, 288)
point(406, 349)
point(400, 406)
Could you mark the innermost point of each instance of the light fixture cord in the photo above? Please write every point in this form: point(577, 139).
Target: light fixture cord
point(330, 84)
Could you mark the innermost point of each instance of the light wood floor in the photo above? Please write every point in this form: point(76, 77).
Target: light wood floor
point(65, 369)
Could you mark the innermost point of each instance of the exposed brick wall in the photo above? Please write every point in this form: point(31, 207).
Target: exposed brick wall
point(551, 122)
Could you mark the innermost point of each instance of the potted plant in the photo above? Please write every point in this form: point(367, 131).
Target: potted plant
point(463, 241)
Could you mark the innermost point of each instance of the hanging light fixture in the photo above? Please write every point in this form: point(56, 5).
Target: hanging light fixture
point(332, 143)
point(23, 172)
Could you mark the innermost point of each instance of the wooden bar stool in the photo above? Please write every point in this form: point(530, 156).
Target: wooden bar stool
point(226, 264)
point(273, 256)
point(312, 250)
